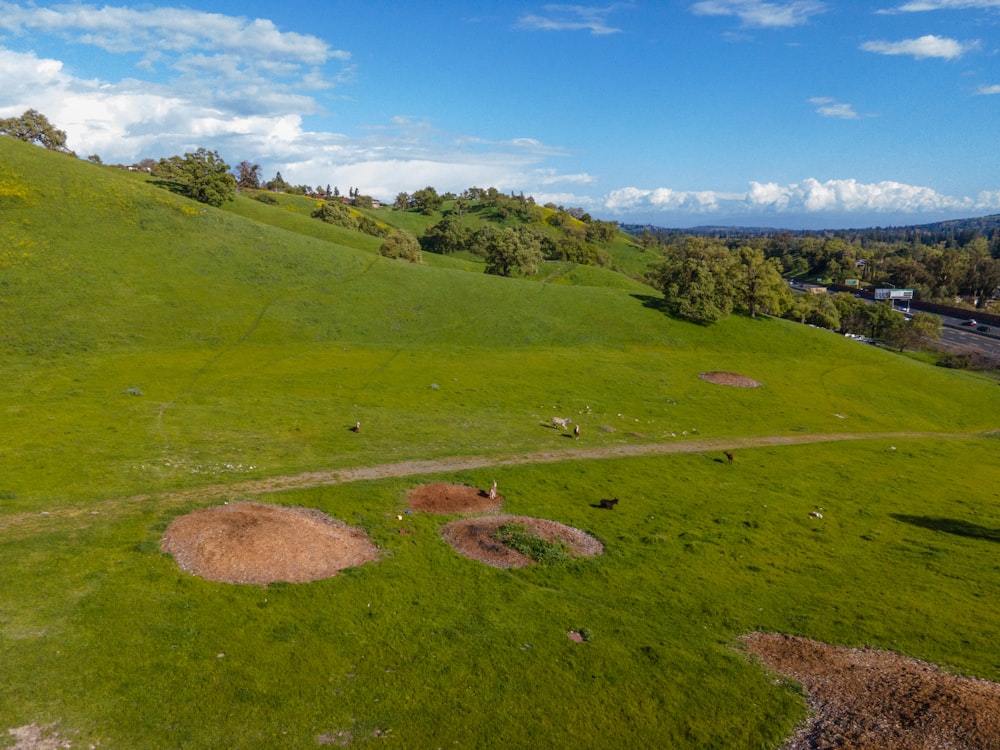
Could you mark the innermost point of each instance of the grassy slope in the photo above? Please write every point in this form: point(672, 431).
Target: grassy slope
point(254, 345)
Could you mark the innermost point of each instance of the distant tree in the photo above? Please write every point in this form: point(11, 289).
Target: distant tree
point(602, 231)
point(696, 281)
point(447, 236)
point(401, 245)
point(278, 184)
point(34, 127)
point(814, 309)
point(362, 201)
point(94, 159)
point(201, 175)
point(982, 276)
point(402, 202)
point(510, 250)
point(883, 320)
point(758, 283)
point(853, 312)
point(248, 175)
point(336, 192)
point(336, 213)
point(918, 332)
point(427, 200)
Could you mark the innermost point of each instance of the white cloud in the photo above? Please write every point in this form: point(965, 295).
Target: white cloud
point(925, 5)
point(809, 197)
point(761, 14)
point(987, 90)
point(174, 30)
point(832, 108)
point(921, 48)
point(570, 18)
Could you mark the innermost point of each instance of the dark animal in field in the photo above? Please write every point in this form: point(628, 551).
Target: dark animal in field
point(356, 427)
point(609, 504)
point(729, 456)
point(576, 431)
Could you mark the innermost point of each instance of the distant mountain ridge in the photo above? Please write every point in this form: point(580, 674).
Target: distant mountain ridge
point(953, 228)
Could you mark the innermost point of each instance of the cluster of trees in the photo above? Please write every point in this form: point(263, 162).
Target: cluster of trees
point(201, 175)
point(542, 232)
point(336, 212)
point(34, 127)
point(704, 280)
point(962, 263)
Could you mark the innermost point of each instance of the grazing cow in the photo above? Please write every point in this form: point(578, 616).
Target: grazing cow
point(729, 456)
point(561, 422)
point(576, 431)
point(493, 490)
point(609, 504)
point(356, 427)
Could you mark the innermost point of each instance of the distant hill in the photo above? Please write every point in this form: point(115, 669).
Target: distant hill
point(960, 230)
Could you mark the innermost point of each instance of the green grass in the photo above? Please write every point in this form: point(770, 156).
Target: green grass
point(256, 335)
point(104, 634)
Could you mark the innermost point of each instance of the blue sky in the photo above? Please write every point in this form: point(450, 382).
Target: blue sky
point(787, 113)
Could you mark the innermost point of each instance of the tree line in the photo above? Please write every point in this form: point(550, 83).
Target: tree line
point(942, 263)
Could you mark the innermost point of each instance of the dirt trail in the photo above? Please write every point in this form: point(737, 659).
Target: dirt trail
point(306, 480)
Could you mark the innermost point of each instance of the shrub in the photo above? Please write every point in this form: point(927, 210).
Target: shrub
point(540, 550)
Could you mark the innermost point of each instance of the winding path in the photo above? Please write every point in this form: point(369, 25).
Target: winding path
point(305, 480)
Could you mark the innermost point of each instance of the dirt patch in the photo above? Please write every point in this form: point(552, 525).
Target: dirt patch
point(866, 698)
point(729, 378)
point(441, 497)
point(257, 543)
point(473, 538)
point(34, 737)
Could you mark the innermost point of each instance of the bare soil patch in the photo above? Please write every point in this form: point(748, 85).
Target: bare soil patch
point(729, 378)
point(258, 543)
point(473, 538)
point(867, 698)
point(441, 497)
point(34, 737)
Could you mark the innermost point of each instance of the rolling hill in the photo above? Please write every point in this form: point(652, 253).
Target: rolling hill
point(159, 356)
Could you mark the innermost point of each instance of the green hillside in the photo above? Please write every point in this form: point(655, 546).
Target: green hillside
point(150, 344)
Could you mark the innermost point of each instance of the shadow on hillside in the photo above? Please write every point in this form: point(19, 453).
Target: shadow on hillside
point(653, 303)
point(951, 526)
point(173, 187)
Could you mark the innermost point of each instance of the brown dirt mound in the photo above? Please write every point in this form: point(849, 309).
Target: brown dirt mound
point(441, 497)
point(473, 538)
point(866, 698)
point(257, 543)
point(729, 378)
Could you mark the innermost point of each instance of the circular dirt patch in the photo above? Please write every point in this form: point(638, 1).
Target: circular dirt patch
point(473, 537)
point(441, 497)
point(862, 697)
point(257, 543)
point(729, 378)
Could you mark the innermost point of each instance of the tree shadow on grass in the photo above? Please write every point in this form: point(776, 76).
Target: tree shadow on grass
point(951, 526)
point(653, 303)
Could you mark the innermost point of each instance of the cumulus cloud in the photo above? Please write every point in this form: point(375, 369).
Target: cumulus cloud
point(988, 90)
point(762, 14)
point(225, 62)
point(832, 108)
point(921, 48)
point(571, 18)
point(807, 198)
